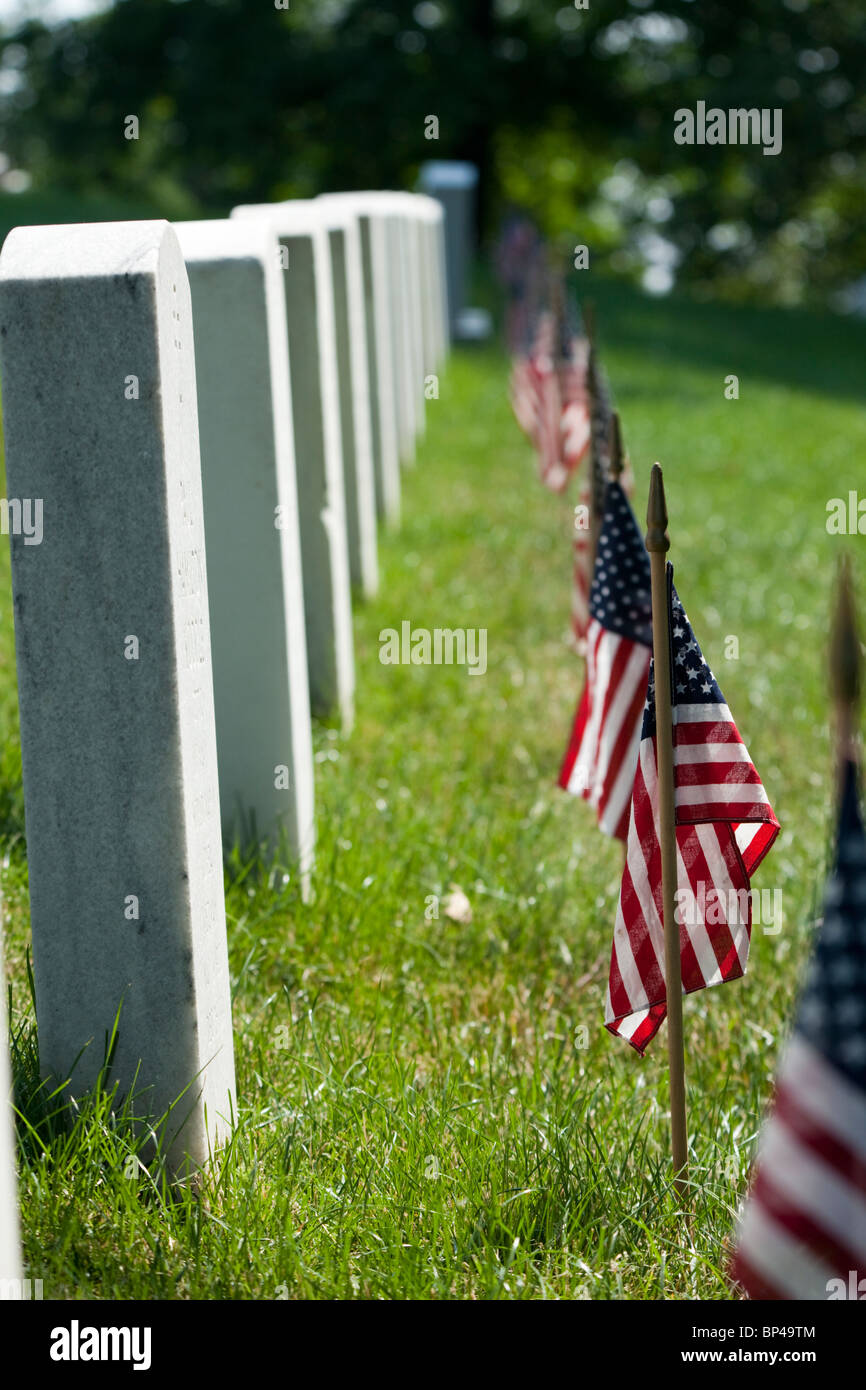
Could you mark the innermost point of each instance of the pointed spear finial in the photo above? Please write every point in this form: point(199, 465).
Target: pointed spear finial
point(657, 537)
point(846, 661)
point(617, 452)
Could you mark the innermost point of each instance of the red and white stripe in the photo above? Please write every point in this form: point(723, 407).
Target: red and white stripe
point(548, 434)
point(575, 422)
point(725, 825)
point(602, 754)
point(805, 1223)
point(523, 398)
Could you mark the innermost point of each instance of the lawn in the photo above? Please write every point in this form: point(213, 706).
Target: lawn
point(433, 1109)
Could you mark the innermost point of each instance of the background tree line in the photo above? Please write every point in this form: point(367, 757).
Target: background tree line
point(568, 112)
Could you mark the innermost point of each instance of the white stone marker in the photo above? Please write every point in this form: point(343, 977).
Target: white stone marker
point(454, 183)
point(258, 638)
point(404, 220)
point(10, 1246)
point(114, 670)
point(307, 280)
point(352, 371)
point(397, 254)
point(401, 278)
point(416, 303)
point(436, 322)
point(380, 349)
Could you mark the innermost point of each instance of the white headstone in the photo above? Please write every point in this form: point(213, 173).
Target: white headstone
point(308, 283)
point(255, 588)
point(435, 289)
point(114, 671)
point(403, 222)
point(10, 1248)
point(454, 183)
point(381, 349)
point(397, 234)
point(350, 317)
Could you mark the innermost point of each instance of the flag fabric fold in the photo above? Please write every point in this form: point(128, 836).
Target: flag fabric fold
point(724, 827)
point(802, 1235)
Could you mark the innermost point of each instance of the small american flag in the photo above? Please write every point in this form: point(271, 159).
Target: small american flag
point(602, 754)
point(724, 827)
point(803, 1233)
point(524, 401)
point(519, 262)
point(574, 425)
point(549, 399)
point(548, 413)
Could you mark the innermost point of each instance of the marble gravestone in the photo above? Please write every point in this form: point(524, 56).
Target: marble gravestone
point(407, 203)
point(353, 375)
point(401, 308)
point(10, 1249)
point(403, 219)
point(435, 294)
point(454, 183)
point(114, 673)
point(381, 348)
point(397, 282)
point(302, 232)
point(252, 535)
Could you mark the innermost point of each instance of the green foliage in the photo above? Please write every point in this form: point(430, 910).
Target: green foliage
point(568, 111)
point(419, 1115)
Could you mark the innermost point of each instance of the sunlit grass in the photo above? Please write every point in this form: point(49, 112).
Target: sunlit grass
point(430, 1109)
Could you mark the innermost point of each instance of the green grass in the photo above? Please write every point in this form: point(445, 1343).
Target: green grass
point(419, 1115)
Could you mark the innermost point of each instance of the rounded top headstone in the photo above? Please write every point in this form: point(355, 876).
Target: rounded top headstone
point(224, 238)
point(288, 219)
point(80, 250)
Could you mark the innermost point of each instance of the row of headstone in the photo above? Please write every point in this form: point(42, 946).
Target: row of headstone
point(209, 421)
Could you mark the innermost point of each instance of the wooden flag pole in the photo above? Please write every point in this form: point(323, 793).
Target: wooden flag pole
point(658, 544)
point(846, 667)
point(617, 453)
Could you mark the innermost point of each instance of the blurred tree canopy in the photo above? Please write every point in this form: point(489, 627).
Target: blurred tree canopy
point(568, 111)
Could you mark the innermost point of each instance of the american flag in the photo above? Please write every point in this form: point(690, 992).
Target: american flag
point(724, 827)
point(524, 401)
point(519, 257)
point(803, 1232)
point(547, 437)
point(548, 396)
point(602, 753)
point(574, 424)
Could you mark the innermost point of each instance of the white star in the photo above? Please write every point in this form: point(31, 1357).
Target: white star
point(850, 1010)
point(853, 1049)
